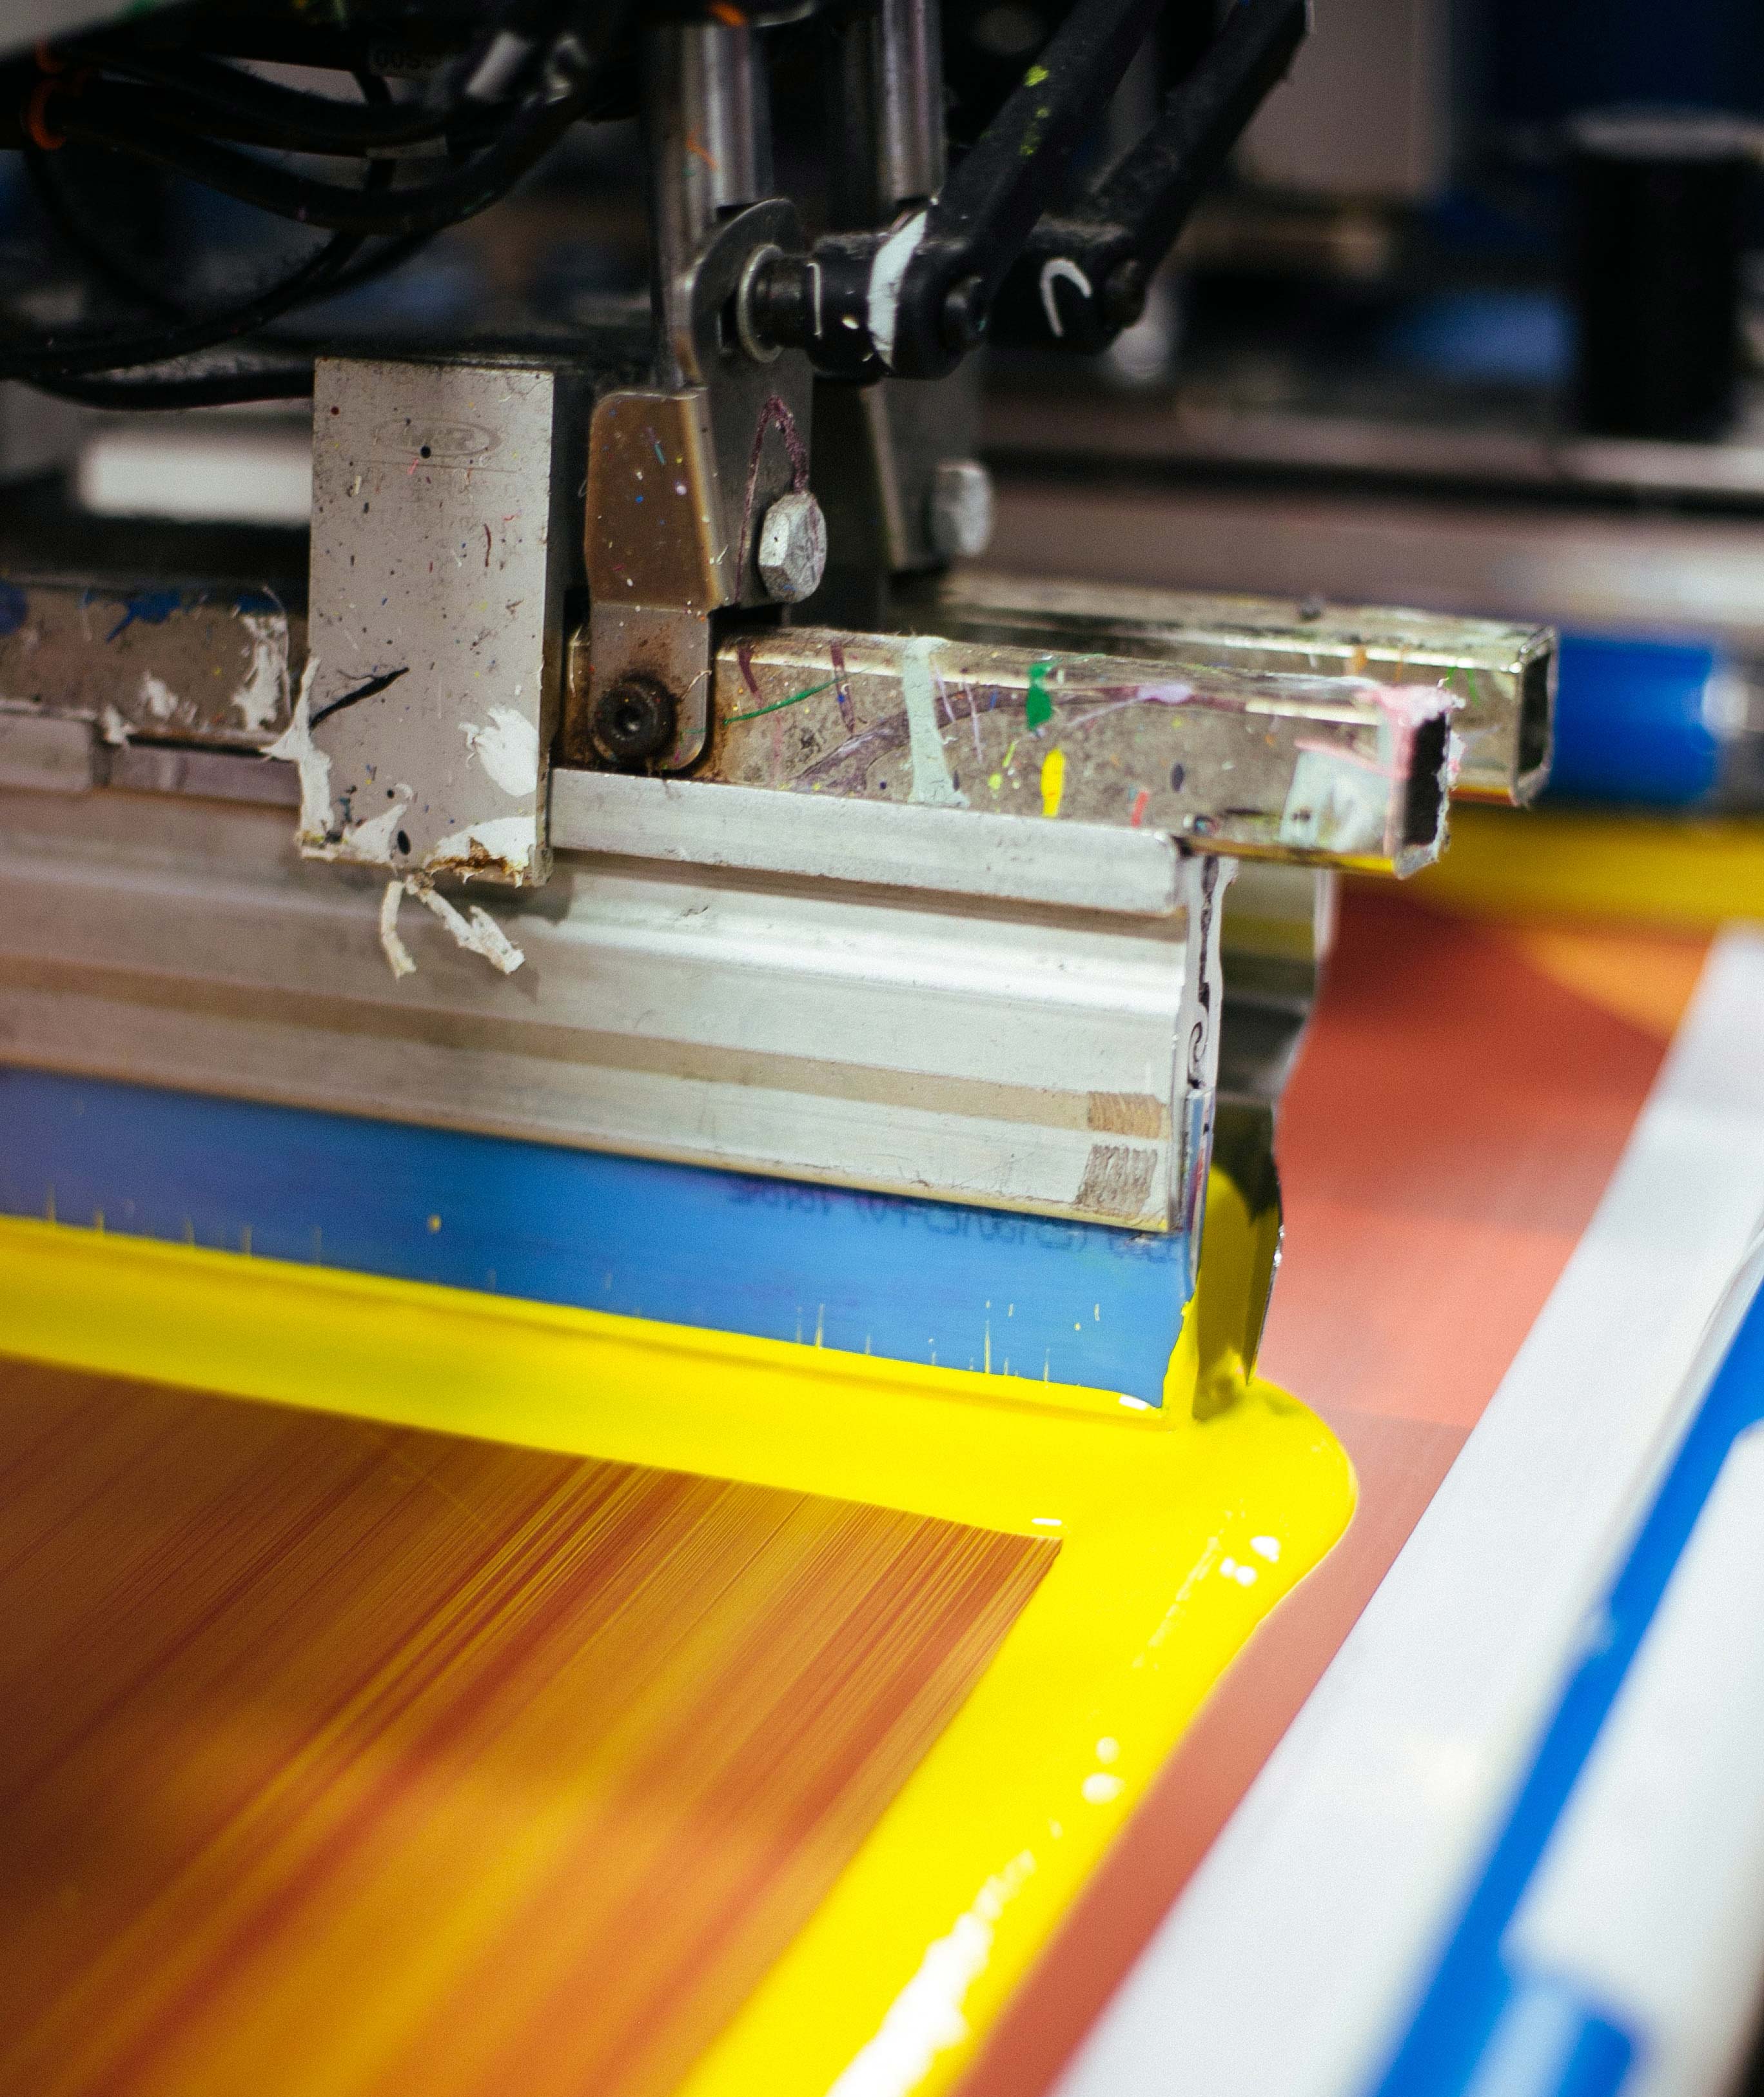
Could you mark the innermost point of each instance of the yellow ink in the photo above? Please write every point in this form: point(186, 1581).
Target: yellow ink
point(1123, 1640)
point(1052, 781)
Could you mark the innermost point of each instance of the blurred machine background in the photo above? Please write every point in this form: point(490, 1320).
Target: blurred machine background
point(1469, 322)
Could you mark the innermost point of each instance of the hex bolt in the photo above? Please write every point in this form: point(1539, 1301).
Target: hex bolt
point(961, 508)
point(792, 547)
point(634, 719)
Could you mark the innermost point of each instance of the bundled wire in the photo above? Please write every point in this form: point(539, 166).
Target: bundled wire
point(498, 109)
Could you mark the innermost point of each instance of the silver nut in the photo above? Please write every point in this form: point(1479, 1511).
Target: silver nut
point(792, 547)
point(961, 509)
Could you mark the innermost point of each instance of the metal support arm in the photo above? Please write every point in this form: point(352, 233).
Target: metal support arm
point(1081, 277)
point(915, 297)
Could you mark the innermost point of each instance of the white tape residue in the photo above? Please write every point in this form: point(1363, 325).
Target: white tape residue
point(264, 691)
point(1335, 803)
point(396, 953)
point(508, 749)
point(886, 273)
point(926, 2018)
point(932, 785)
point(477, 934)
point(295, 745)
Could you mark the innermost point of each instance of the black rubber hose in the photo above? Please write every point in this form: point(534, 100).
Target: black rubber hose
point(200, 389)
point(204, 96)
point(333, 206)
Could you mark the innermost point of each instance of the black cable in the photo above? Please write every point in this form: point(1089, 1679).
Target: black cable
point(299, 120)
point(84, 356)
point(565, 92)
point(218, 389)
point(332, 206)
point(570, 76)
point(201, 95)
point(110, 264)
point(120, 269)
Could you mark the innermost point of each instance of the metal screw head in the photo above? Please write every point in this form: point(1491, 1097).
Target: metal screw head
point(634, 719)
point(961, 508)
point(792, 547)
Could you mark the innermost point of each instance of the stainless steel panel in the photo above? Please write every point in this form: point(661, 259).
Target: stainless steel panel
point(424, 732)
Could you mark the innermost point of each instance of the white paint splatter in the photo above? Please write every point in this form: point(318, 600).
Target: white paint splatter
point(375, 838)
point(932, 785)
point(295, 745)
point(1101, 1790)
point(1267, 1547)
point(1135, 1404)
point(396, 953)
point(508, 749)
point(477, 934)
point(1108, 1749)
point(926, 2018)
point(116, 728)
point(158, 696)
point(509, 839)
point(1337, 802)
point(264, 691)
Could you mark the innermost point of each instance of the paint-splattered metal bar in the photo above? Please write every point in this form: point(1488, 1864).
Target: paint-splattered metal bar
point(1341, 770)
point(1503, 675)
point(155, 664)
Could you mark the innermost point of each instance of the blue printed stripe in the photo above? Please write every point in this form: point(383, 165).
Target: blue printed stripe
point(1462, 2031)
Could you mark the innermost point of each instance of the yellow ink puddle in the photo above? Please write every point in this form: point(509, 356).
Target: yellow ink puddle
point(1178, 1532)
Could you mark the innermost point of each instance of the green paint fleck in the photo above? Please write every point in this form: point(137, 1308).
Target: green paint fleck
point(1035, 76)
point(777, 705)
point(1038, 708)
point(995, 781)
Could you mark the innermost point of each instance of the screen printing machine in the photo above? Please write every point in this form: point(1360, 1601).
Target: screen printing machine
point(628, 861)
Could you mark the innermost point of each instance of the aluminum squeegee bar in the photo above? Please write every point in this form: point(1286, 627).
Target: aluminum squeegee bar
point(874, 1073)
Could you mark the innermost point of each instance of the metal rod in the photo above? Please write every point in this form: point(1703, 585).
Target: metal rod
point(887, 84)
point(1320, 770)
point(1502, 675)
point(708, 116)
